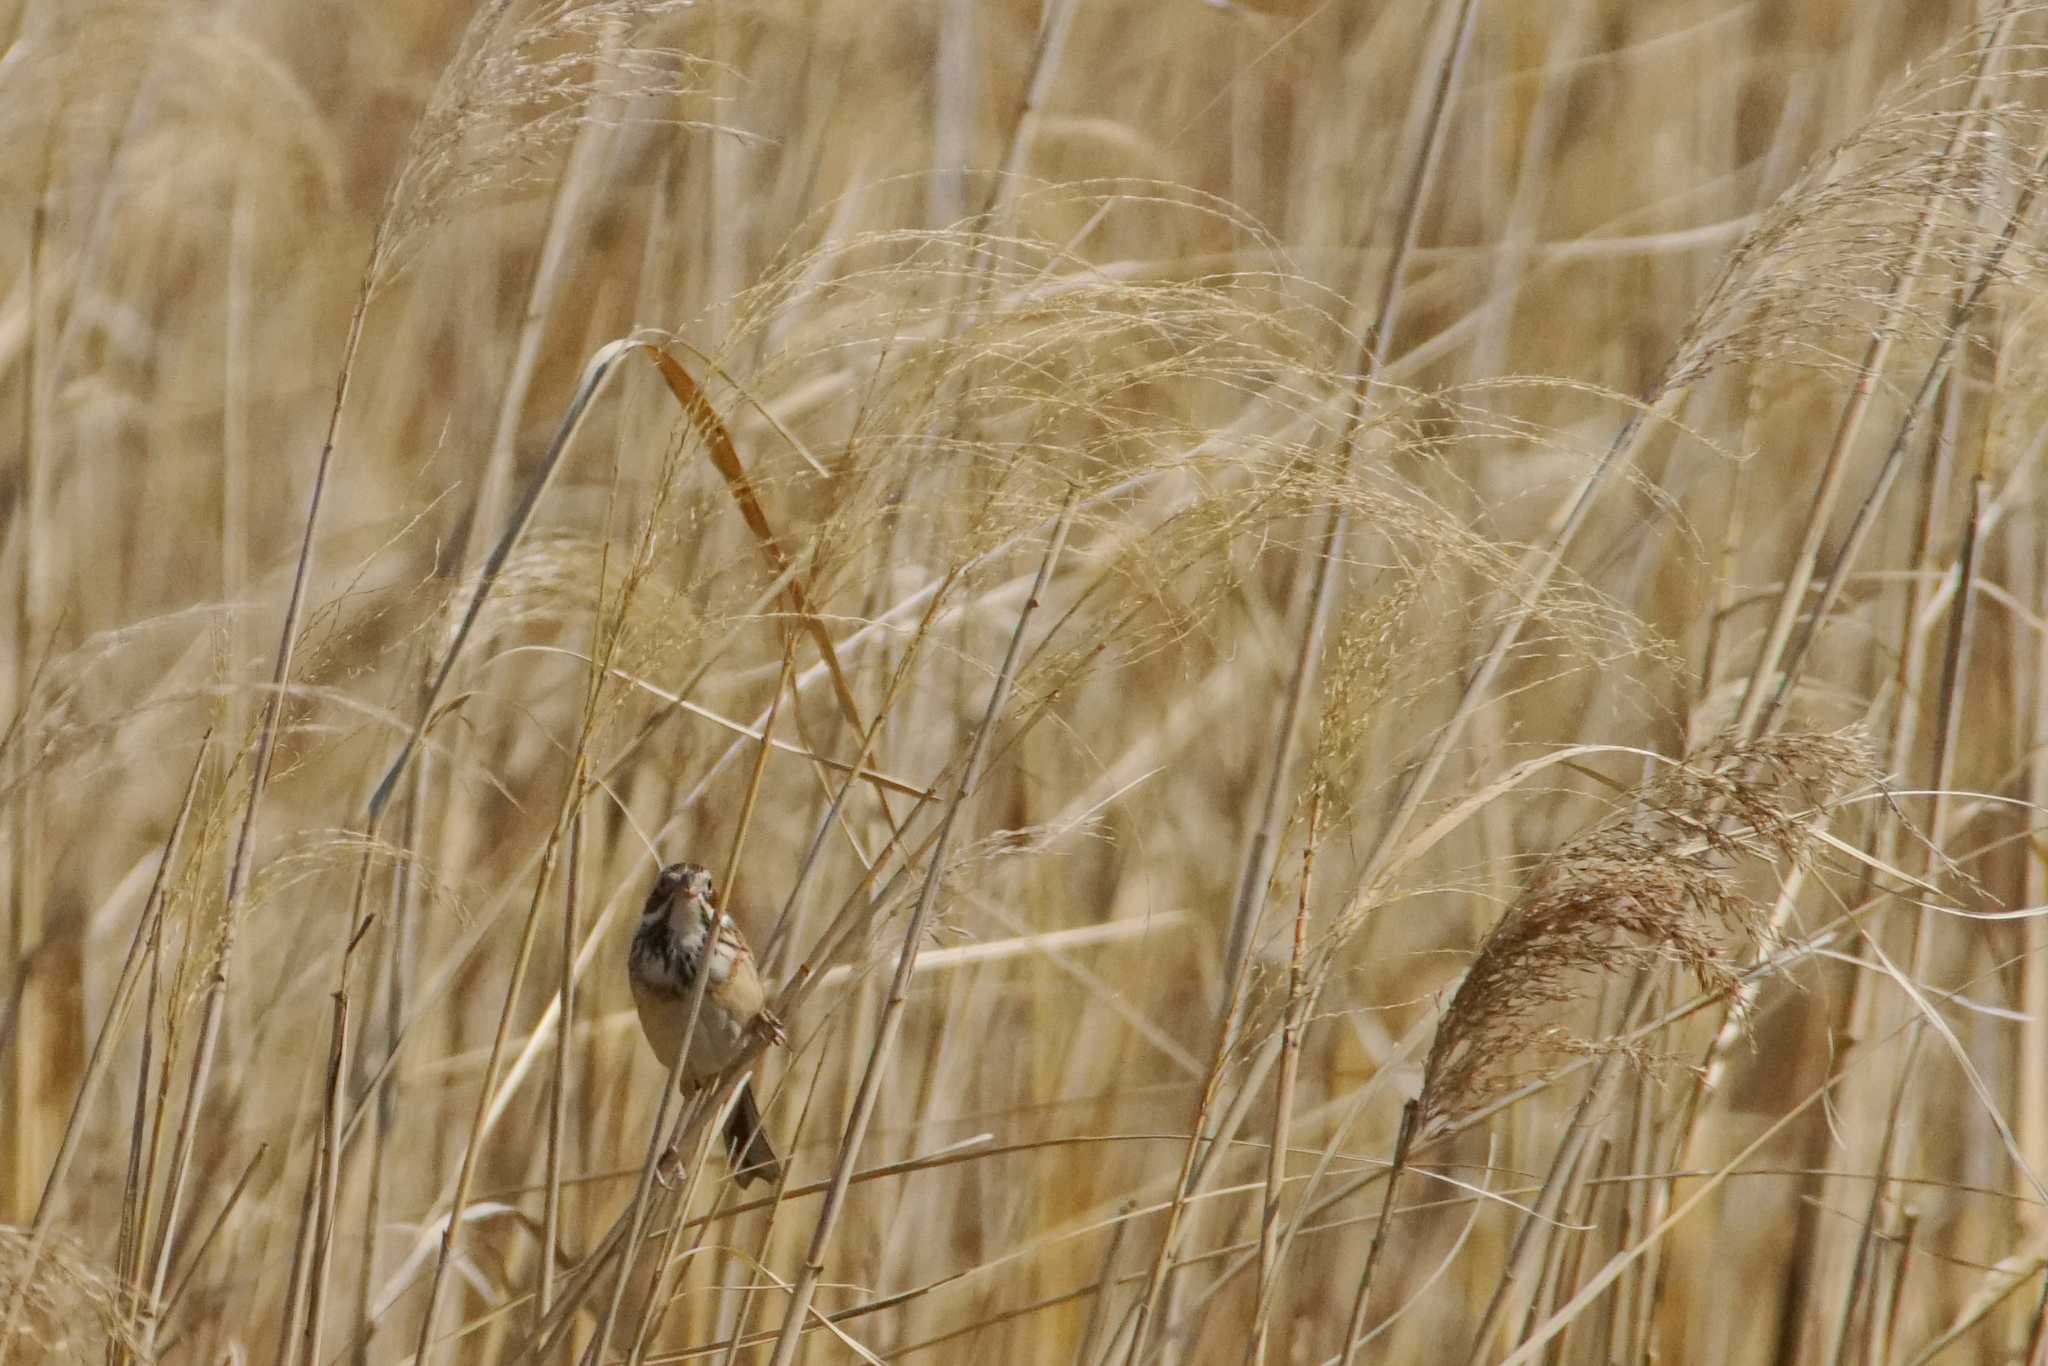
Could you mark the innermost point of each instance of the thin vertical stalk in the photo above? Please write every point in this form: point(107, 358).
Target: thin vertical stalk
point(330, 1175)
point(1568, 1262)
point(1557, 1181)
point(749, 1291)
point(1865, 520)
point(244, 858)
point(2033, 1043)
point(1852, 1021)
point(656, 1300)
point(301, 1266)
point(836, 933)
point(19, 1064)
point(761, 753)
point(1885, 1327)
point(558, 1089)
point(1820, 514)
point(1354, 1330)
point(635, 1218)
point(565, 993)
point(145, 1143)
point(1536, 1343)
point(913, 939)
point(102, 1057)
point(117, 1007)
point(1633, 1303)
point(1374, 342)
point(955, 94)
point(1283, 1092)
point(1899, 1129)
point(581, 168)
point(238, 305)
point(466, 1173)
point(317, 1214)
point(1186, 1182)
point(1752, 719)
point(1095, 1342)
point(654, 1306)
point(1779, 659)
point(381, 1092)
point(220, 1221)
point(2037, 1333)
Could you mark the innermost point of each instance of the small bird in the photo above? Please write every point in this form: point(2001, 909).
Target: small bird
point(680, 919)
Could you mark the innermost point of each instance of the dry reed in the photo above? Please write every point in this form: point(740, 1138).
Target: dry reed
point(1371, 675)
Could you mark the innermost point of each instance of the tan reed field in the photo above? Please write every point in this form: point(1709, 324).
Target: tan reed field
point(1368, 679)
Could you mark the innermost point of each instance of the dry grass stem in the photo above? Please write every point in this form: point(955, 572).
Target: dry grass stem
point(1550, 494)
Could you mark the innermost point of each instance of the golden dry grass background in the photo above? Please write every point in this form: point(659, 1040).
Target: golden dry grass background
point(1287, 374)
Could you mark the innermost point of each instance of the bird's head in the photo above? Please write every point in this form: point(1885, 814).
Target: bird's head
point(685, 888)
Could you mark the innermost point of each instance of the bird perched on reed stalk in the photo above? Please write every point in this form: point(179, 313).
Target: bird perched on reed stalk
point(681, 930)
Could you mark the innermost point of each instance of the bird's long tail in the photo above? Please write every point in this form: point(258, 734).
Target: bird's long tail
point(746, 1142)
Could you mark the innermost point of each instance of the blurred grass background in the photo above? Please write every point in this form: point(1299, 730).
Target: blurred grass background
point(1177, 282)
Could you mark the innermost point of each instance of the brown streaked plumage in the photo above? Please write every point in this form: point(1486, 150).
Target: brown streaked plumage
point(681, 917)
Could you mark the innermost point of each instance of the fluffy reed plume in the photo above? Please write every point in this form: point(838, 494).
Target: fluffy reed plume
point(528, 75)
point(1666, 881)
point(915, 460)
point(1657, 884)
point(1910, 198)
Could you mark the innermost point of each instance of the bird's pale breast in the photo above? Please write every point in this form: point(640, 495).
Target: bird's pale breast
point(665, 1015)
